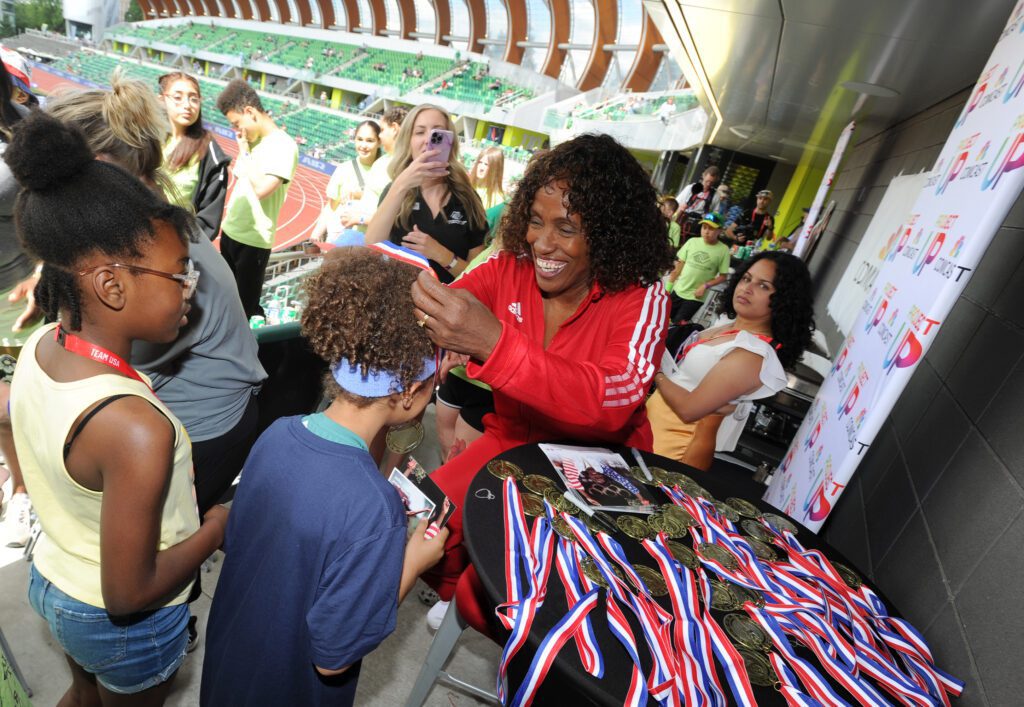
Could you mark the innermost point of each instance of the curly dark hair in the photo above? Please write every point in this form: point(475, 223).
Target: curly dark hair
point(617, 206)
point(72, 205)
point(237, 96)
point(360, 308)
point(792, 303)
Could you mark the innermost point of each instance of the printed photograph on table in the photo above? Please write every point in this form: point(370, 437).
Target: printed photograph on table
point(600, 476)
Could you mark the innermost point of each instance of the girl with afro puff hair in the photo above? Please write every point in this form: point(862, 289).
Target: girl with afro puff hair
point(702, 404)
point(566, 324)
point(292, 631)
point(108, 466)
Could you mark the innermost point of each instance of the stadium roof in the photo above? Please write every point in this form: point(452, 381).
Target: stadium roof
point(585, 43)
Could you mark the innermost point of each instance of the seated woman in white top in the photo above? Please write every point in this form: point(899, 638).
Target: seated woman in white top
point(699, 406)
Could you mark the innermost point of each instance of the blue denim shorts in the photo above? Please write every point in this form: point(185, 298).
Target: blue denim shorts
point(126, 654)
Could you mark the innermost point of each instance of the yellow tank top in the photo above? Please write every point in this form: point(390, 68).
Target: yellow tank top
point(42, 412)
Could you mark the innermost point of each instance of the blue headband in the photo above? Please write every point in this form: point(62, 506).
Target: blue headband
point(376, 384)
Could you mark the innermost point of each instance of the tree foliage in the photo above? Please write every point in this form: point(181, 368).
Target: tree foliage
point(33, 14)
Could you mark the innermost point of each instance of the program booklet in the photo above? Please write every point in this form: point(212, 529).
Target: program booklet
point(600, 477)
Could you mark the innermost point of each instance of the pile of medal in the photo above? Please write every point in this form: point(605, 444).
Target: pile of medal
point(751, 641)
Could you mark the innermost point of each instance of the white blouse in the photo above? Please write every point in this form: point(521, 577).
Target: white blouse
point(702, 358)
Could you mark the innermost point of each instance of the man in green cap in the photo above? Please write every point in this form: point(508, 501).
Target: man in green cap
point(701, 263)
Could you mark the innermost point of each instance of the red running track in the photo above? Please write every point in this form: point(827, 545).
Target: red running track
point(305, 197)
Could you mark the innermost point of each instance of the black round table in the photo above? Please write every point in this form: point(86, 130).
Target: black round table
point(483, 527)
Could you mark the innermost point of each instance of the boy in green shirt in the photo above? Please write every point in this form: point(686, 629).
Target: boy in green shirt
point(701, 263)
point(265, 166)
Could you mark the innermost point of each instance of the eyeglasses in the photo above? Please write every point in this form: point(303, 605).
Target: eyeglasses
point(177, 99)
point(188, 279)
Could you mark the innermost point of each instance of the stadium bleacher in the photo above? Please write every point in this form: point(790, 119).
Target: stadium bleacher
point(371, 65)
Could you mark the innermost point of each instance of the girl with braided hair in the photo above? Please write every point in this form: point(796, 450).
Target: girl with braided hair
point(108, 466)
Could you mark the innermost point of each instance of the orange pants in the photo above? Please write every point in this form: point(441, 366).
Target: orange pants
point(692, 443)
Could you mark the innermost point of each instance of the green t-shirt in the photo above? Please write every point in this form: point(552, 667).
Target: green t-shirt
point(184, 180)
point(674, 231)
point(703, 262)
point(253, 221)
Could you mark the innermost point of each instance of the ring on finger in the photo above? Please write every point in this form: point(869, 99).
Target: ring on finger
point(423, 322)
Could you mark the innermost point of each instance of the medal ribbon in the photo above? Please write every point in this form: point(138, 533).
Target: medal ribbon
point(655, 623)
point(696, 678)
point(533, 556)
point(576, 586)
point(637, 693)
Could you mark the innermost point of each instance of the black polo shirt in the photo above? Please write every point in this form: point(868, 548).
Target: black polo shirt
point(451, 229)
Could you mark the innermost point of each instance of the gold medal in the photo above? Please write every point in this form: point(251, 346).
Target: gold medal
point(722, 597)
point(633, 527)
point(743, 595)
point(744, 508)
point(780, 523)
point(591, 572)
point(727, 512)
point(684, 555)
point(680, 514)
point(561, 526)
point(719, 554)
point(559, 502)
point(756, 530)
point(660, 475)
point(745, 632)
point(652, 578)
point(532, 505)
point(764, 551)
point(538, 484)
point(759, 670)
point(503, 469)
point(668, 524)
point(852, 579)
point(692, 488)
point(402, 439)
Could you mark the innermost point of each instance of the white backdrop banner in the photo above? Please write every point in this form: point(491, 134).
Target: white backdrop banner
point(926, 264)
point(867, 262)
point(806, 238)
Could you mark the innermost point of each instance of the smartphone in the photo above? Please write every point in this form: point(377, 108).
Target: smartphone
point(442, 141)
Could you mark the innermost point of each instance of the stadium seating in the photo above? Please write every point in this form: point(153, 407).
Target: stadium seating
point(636, 108)
point(471, 83)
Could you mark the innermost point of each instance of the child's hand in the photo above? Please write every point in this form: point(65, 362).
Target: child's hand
point(422, 554)
point(218, 515)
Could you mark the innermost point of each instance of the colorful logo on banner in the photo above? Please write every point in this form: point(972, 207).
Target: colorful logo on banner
point(924, 265)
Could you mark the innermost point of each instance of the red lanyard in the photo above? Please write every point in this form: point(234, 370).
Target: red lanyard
point(767, 339)
point(87, 349)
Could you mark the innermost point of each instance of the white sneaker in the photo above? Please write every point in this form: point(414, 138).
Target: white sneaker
point(19, 524)
point(436, 615)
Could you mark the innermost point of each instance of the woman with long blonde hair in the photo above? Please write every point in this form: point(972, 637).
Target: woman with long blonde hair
point(487, 175)
point(430, 207)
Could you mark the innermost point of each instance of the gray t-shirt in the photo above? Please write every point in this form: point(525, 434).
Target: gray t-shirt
point(207, 375)
point(15, 265)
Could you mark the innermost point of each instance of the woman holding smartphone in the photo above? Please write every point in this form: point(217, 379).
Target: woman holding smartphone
point(430, 205)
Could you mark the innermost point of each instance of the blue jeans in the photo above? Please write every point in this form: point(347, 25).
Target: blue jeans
point(127, 654)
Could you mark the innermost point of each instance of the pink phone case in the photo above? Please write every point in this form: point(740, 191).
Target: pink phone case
point(441, 140)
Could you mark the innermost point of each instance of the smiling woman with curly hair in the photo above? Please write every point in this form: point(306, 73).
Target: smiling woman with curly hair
point(702, 406)
point(566, 324)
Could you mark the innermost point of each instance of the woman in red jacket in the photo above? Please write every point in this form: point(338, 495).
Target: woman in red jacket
point(566, 324)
